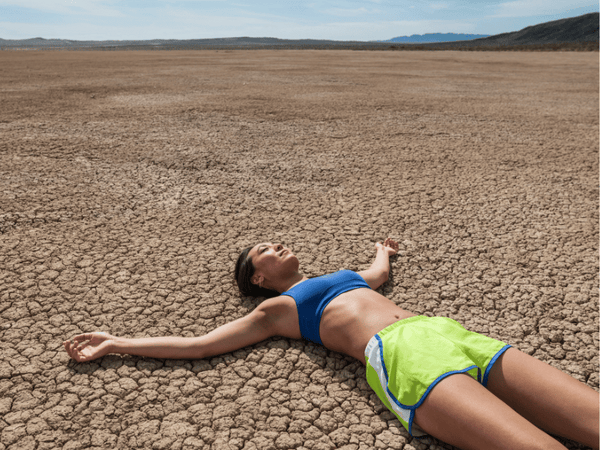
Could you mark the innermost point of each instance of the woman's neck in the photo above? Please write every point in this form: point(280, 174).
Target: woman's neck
point(284, 284)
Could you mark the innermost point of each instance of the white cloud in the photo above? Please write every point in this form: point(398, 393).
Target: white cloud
point(527, 8)
point(345, 12)
point(78, 32)
point(439, 5)
point(367, 31)
point(67, 7)
point(176, 25)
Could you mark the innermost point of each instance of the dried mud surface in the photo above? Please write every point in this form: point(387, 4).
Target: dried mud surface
point(130, 181)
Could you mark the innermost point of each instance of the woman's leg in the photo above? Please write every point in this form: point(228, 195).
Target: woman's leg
point(461, 412)
point(547, 397)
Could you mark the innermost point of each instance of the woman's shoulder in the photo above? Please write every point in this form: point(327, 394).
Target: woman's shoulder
point(282, 314)
point(277, 303)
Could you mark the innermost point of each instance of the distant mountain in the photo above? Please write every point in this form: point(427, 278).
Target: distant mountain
point(436, 37)
point(582, 29)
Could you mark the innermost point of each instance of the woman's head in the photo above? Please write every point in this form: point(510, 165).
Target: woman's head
point(244, 271)
point(259, 268)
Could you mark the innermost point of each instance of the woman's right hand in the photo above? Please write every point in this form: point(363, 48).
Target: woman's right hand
point(389, 246)
point(89, 346)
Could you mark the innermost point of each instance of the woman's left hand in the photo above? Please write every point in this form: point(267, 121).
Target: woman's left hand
point(389, 246)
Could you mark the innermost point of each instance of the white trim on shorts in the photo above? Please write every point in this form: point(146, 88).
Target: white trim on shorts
point(374, 353)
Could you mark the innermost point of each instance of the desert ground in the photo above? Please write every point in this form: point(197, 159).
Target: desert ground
point(130, 181)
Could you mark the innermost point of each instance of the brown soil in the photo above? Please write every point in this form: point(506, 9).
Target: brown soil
point(129, 181)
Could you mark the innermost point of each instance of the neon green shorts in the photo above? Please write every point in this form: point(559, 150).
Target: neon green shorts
point(408, 358)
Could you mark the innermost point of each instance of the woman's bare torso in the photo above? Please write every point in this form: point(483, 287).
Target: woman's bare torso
point(350, 320)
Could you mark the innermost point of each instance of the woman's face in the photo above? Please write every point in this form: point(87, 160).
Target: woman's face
point(272, 260)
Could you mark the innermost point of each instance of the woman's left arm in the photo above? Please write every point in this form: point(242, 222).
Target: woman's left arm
point(379, 271)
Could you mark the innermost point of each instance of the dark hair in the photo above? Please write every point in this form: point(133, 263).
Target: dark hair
point(244, 269)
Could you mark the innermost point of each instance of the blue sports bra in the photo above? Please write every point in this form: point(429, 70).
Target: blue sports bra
point(313, 295)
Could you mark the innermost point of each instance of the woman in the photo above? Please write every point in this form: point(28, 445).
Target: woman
point(497, 396)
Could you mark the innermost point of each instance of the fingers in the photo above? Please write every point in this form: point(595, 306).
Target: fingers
point(77, 341)
point(81, 346)
point(389, 242)
point(70, 347)
point(82, 337)
point(75, 345)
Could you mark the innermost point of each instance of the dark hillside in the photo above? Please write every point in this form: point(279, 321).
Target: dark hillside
point(577, 29)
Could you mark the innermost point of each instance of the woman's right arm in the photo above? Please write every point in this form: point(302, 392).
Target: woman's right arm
point(257, 326)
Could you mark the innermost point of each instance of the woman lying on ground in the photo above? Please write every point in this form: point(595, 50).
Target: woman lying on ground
point(496, 398)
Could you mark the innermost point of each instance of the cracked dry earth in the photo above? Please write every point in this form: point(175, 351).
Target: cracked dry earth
point(129, 182)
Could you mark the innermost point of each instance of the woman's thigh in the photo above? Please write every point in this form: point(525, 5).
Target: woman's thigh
point(461, 412)
point(545, 396)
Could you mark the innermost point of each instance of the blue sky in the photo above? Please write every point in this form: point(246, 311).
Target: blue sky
point(326, 19)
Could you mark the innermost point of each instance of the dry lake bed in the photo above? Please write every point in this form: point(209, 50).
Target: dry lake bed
point(130, 181)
